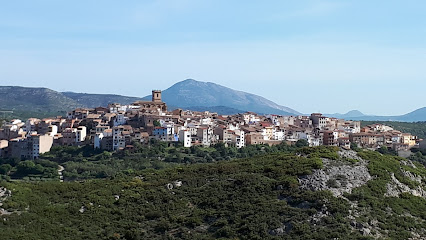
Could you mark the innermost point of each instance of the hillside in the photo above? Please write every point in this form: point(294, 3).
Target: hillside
point(414, 116)
point(308, 193)
point(96, 100)
point(348, 115)
point(28, 102)
point(44, 102)
point(190, 93)
point(35, 102)
point(217, 109)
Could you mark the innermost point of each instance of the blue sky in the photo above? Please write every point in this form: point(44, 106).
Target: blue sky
point(328, 56)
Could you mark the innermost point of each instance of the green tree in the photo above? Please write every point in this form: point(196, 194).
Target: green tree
point(354, 146)
point(5, 168)
point(29, 167)
point(157, 123)
point(302, 143)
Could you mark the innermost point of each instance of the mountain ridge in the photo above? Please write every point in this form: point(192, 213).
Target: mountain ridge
point(202, 96)
point(190, 92)
point(417, 115)
point(95, 100)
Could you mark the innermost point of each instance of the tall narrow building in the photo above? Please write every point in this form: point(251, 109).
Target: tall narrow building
point(156, 96)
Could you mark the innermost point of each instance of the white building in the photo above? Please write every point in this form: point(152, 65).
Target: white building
point(185, 137)
point(80, 135)
point(279, 135)
point(53, 130)
point(38, 144)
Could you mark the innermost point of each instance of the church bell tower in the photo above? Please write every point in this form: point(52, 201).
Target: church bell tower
point(156, 96)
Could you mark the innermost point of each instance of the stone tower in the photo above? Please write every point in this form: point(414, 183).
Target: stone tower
point(156, 96)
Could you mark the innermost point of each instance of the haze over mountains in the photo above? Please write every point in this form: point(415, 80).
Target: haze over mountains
point(188, 94)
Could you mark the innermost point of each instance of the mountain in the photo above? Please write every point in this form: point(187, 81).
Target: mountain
point(96, 100)
point(414, 116)
point(350, 114)
point(34, 102)
point(190, 93)
point(222, 110)
point(26, 102)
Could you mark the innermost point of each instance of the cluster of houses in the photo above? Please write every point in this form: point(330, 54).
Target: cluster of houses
point(118, 127)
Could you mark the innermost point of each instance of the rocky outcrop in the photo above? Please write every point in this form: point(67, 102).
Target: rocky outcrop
point(409, 163)
point(4, 194)
point(349, 154)
point(395, 187)
point(338, 176)
point(285, 228)
point(413, 177)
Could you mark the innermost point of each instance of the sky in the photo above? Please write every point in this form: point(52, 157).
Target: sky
point(327, 56)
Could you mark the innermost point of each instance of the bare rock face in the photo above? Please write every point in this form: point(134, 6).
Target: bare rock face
point(285, 228)
point(395, 187)
point(338, 176)
point(349, 154)
point(349, 172)
point(409, 163)
point(4, 194)
point(413, 177)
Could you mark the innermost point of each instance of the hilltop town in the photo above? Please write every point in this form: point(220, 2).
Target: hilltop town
point(117, 127)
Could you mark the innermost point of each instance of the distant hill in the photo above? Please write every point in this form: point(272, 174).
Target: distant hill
point(34, 102)
point(189, 94)
point(350, 114)
point(222, 110)
point(28, 102)
point(192, 93)
point(96, 100)
point(415, 116)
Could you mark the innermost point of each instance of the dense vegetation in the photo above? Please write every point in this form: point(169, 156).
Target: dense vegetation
point(419, 155)
point(415, 128)
point(395, 216)
point(85, 163)
point(38, 170)
point(249, 198)
point(246, 198)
